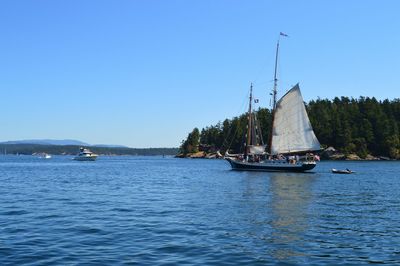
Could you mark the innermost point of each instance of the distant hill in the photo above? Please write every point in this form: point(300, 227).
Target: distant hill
point(28, 149)
point(109, 146)
point(48, 142)
point(61, 142)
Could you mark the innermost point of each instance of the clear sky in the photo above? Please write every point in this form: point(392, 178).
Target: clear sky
point(143, 73)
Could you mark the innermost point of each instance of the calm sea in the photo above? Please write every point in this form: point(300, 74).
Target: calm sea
point(166, 211)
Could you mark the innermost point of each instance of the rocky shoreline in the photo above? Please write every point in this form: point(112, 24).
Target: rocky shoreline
point(200, 155)
point(329, 154)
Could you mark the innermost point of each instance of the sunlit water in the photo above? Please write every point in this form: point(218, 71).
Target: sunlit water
point(166, 211)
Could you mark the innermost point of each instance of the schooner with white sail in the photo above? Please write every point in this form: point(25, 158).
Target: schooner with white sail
point(292, 140)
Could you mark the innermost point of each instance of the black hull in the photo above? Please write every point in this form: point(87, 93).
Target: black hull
point(270, 166)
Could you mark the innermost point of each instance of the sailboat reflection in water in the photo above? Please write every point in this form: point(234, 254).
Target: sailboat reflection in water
point(292, 140)
point(291, 196)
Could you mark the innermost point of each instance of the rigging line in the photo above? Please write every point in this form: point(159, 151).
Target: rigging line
point(259, 130)
point(240, 111)
point(237, 128)
point(229, 136)
point(262, 83)
point(264, 67)
point(263, 70)
point(242, 108)
point(230, 129)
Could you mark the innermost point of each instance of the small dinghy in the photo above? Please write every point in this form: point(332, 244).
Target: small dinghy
point(346, 171)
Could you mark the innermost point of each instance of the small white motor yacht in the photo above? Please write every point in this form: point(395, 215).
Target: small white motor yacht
point(85, 155)
point(42, 155)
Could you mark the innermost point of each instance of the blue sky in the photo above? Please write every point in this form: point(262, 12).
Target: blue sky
point(144, 73)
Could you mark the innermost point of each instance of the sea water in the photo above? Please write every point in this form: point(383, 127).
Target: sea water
point(126, 210)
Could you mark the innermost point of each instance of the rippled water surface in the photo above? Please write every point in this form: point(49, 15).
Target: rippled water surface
point(166, 211)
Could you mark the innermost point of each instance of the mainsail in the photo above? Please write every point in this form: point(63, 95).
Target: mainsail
point(292, 131)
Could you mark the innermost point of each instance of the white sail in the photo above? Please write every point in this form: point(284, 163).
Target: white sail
point(292, 131)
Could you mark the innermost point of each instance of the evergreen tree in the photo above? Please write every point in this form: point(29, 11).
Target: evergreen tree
point(191, 144)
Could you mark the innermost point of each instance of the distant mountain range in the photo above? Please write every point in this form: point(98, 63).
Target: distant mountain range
point(62, 142)
point(26, 147)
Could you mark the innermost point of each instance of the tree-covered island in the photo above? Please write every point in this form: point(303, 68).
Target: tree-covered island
point(362, 128)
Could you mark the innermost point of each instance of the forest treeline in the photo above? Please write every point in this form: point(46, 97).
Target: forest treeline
point(29, 149)
point(361, 126)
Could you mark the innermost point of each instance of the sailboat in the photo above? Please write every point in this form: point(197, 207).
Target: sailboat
point(292, 141)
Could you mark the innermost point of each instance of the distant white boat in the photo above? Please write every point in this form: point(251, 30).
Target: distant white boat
point(43, 155)
point(85, 155)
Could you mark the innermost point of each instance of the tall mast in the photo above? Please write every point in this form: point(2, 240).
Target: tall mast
point(274, 93)
point(249, 125)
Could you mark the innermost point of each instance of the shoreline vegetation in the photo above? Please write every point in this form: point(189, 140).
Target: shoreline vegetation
point(31, 149)
point(347, 128)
